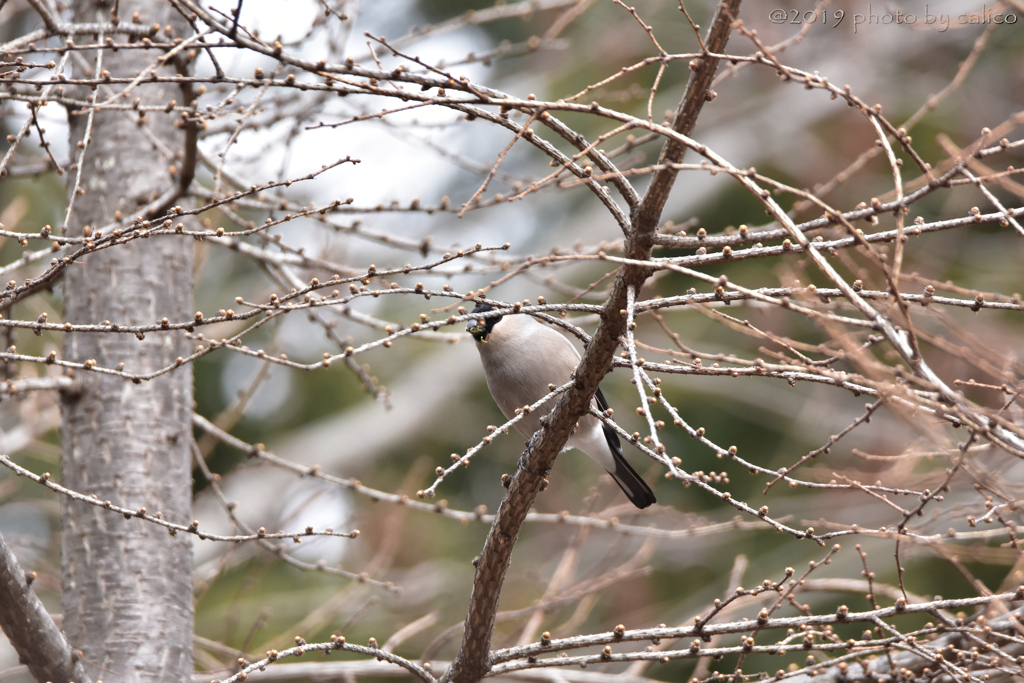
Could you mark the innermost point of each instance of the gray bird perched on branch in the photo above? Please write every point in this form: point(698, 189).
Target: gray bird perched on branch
point(521, 357)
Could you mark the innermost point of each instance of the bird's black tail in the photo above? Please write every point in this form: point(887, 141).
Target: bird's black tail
point(635, 488)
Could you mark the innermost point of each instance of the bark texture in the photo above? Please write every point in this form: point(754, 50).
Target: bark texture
point(127, 584)
point(24, 619)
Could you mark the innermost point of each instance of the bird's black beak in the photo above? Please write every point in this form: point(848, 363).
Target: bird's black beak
point(477, 328)
point(481, 329)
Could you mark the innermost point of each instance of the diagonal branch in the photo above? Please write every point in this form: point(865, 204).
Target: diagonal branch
point(698, 91)
point(28, 626)
point(472, 661)
point(52, 22)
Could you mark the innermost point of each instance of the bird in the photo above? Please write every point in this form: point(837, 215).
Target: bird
point(521, 358)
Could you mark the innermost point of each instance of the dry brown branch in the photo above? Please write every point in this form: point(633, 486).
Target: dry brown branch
point(817, 311)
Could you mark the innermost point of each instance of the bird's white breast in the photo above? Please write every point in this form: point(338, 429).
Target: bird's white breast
point(521, 358)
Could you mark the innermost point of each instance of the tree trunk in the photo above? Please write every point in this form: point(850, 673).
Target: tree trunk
point(127, 584)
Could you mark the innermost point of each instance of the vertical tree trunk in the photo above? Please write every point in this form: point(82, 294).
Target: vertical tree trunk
point(128, 584)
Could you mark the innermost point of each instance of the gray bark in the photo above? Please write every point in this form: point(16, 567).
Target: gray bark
point(39, 643)
point(128, 585)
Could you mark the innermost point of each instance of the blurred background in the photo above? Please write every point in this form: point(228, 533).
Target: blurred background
point(417, 168)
